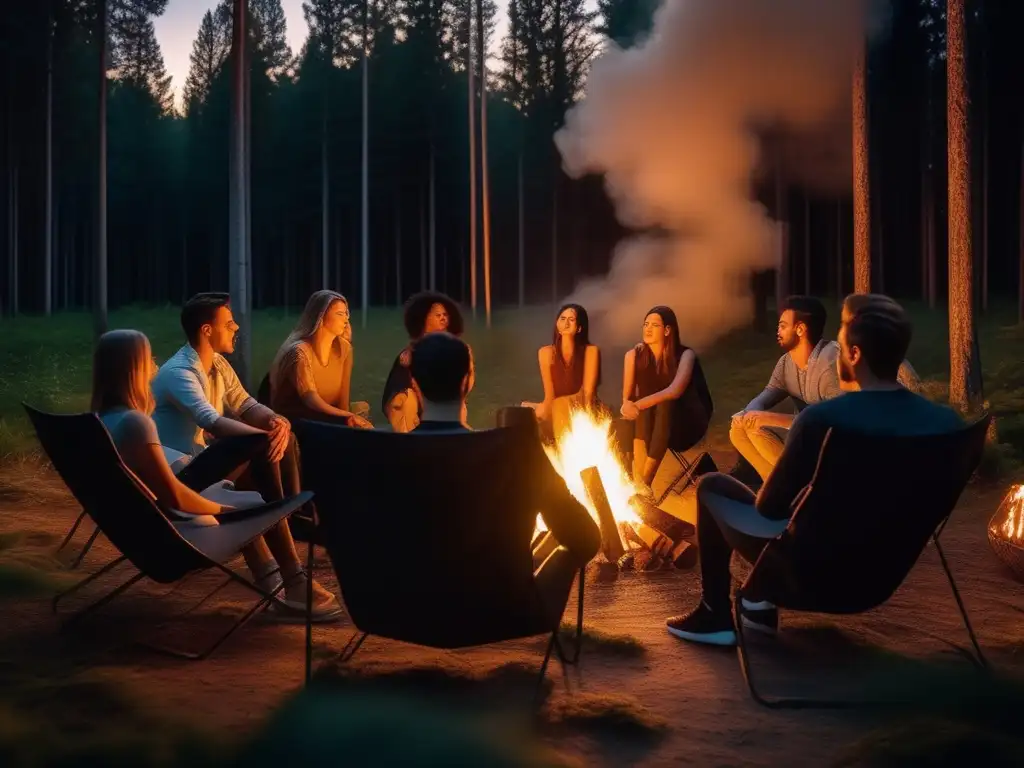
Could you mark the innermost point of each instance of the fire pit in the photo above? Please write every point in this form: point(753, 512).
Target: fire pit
point(1006, 531)
point(634, 534)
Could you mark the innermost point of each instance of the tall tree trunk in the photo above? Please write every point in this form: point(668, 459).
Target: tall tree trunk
point(484, 184)
point(861, 176)
point(471, 101)
point(963, 362)
point(238, 269)
point(433, 224)
point(839, 250)
point(807, 244)
point(366, 165)
point(521, 233)
point(249, 282)
point(99, 304)
point(554, 240)
point(782, 217)
point(48, 151)
point(1020, 244)
point(325, 196)
point(984, 201)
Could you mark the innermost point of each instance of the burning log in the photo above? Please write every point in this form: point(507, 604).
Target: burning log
point(611, 542)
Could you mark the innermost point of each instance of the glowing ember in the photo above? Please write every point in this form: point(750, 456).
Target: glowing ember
point(588, 443)
point(1011, 527)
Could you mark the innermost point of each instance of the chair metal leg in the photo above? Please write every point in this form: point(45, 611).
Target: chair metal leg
point(539, 689)
point(85, 550)
point(979, 661)
point(71, 533)
point(355, 642)
point(87, 580)
point(577, 643)
point(75, 617)
point(265, 598)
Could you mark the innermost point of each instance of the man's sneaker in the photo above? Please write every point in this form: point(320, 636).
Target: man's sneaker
point(702, 625)
point(760, 617)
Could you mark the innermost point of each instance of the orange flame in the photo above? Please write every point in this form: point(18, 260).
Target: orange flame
point(588, 443)
point(1012, 526)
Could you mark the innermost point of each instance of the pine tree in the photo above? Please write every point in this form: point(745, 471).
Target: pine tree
point(626, 22)
point(135, 55)
point(463, 23)
point(335, 30)
point(209, 52)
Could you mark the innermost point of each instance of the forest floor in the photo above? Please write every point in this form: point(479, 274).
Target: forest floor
point(639, 696)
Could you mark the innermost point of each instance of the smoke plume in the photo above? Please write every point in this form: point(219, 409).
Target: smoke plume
point(678, 127)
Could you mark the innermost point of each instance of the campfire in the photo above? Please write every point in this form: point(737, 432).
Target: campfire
point(1006, 531)
point(591, 464)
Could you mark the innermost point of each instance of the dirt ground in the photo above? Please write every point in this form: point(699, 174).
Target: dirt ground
point(697, 692)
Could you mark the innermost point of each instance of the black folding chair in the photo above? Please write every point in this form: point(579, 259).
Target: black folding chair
point(420, 559)
point(907, 489)
point(140, 528)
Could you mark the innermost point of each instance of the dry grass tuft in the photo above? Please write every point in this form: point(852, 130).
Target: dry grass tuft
point(606, 713)
point(605, 643)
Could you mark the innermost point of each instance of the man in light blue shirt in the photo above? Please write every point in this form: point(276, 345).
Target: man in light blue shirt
point(203, 410)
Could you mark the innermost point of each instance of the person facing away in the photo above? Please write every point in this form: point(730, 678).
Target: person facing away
point(664, 391)
point(311, 376)
point(570, 370)
point(806, 372)
point(425, 312)
point(873, 343)
point(123, 368)
point(441, 369)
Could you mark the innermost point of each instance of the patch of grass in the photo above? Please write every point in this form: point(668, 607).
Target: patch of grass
point(47, 362)
point(607, 714)
point(27, 567)
point(934, 743)
point(601, 642)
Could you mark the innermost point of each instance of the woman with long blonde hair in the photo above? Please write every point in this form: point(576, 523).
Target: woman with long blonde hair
point(311, 376)
point(123, 368)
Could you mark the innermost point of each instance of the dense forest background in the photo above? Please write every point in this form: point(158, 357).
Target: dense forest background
point(168, 199)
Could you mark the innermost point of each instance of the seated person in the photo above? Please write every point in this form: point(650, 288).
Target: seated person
point(441, 369)
point(570, 370)
point(664, 391)
point(907, 376)
point(311, 375)
point(202, 410)
point(122, 370)
point(426, 312)
point(806, 372)
point(873, 341)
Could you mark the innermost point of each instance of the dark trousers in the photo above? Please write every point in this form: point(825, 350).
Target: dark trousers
point(654, 427)
point(727, 520)
point(226, 456)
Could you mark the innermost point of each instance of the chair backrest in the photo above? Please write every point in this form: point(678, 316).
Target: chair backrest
point(427, 531)
point(872, 506)
point(84, 456)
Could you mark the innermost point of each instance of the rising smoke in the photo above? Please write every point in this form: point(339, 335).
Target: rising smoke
point(677, 125)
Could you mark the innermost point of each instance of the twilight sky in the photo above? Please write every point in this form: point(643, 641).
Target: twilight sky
point(177, 28)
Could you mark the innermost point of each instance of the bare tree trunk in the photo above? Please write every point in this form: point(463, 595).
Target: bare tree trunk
point(100, 278)
point(366, 164)
point(554, 240)
point(325, 194)
point(984, 205)
point(238, 269)
point(398, 249)
point(963, 363)
point(782, 217)
point(471, 101)
point(839, 249)
point(521, 234)
point(861, 177)
point(432, 225)
point(807, 244)
point(249, 281)
point(48, 150)
point(484, 184)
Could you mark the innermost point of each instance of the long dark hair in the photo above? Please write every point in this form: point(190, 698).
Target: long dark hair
point(580, 340)
point(673, 346)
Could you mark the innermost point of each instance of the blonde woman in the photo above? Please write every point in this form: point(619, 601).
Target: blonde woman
point(123, 368)
point(311, 376)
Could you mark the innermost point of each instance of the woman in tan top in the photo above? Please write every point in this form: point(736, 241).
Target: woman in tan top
point(311, 375)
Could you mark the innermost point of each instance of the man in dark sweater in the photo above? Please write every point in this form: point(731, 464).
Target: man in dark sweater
point(873, 342)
